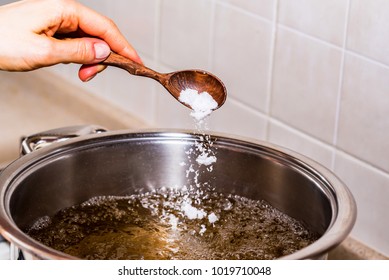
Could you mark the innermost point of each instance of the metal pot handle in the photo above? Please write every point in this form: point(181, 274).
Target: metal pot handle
point(36, 141)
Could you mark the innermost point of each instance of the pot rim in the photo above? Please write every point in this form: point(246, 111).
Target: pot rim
point(344, 206)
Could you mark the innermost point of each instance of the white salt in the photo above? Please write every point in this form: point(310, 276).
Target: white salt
point(212, 218)
point(173, 221)
point(189, 170)
point(202, 230)
point(205, 159)
point(192, 212)
point(202, 104)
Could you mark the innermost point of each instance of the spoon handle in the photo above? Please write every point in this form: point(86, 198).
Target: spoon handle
point(130, 66)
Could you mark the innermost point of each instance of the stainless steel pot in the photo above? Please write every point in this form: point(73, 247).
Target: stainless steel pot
point(125, 162)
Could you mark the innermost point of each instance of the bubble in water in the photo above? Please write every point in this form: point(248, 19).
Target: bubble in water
point(166, 225)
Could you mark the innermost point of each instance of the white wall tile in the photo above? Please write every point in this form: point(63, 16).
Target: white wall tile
point(263, 8)
point(236, 119)
point(170, 113)
point(132, 93)
point(370, 189)
point(305, 84)
point(368, 30)
point(100, 6)
point(285, 136)
point(241, 55)
point(137, 21)
point(323, 19)
point(364, 119)
point(185, 33)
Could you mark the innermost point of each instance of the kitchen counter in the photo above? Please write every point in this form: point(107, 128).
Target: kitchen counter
point(37, 101)
point(351, 249)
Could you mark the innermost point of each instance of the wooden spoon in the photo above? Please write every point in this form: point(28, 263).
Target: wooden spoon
point(174, 82)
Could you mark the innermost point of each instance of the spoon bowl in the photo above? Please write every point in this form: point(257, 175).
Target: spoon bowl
point(174, 82)
point(199, 80)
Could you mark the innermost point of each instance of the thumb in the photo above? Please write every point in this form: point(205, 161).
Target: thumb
point(81, 50)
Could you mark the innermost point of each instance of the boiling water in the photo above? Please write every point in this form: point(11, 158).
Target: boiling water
point(169, 225)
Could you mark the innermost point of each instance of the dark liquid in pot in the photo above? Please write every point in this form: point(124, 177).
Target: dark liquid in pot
point(173, 225)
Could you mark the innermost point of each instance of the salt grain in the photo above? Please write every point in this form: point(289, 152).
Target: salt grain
point(212, 218)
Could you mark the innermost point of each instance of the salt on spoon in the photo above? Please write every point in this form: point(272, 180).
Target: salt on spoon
point(202, 103)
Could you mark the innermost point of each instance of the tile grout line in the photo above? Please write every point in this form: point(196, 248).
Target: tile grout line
point(308, 136)
point(364, 163)
point(368, 59)
point(309, 36)
point(332, 45)
point(271, 70)
point(244, 11)
point(340, 88)
point(248, 108)
point(301, 133)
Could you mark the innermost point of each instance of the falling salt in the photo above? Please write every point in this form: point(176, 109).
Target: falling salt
point(189, 170)
point(202, 105)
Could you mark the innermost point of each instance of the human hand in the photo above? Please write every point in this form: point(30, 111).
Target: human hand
point(30, 33)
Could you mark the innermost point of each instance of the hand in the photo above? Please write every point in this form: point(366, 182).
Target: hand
point(31, 32)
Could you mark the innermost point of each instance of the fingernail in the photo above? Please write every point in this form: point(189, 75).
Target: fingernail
point(90, 78)
point(101, 51)
point(100, 68)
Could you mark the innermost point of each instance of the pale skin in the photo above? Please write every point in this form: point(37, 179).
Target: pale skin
point(41, 33)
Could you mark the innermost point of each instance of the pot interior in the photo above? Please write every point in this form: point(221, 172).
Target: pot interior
point(126, 164)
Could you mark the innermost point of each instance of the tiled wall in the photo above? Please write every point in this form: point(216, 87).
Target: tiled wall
point(311, 75)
